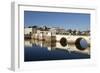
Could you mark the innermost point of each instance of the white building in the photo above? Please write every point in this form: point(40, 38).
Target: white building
point(27, 30)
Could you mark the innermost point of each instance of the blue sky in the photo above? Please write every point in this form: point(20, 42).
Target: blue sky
point(78, 21)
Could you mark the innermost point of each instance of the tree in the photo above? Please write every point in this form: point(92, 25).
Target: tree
point(69, 30)
point(34, 26)
point(74, 32)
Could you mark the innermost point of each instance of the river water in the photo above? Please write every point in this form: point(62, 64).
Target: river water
point(42, 51)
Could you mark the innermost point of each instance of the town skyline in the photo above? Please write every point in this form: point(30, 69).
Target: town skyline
point(35, 26)
point(74, 21)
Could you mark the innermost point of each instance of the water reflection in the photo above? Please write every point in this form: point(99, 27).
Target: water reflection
point(49, 50)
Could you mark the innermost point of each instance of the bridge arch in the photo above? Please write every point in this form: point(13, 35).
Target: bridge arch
point(63, 41)
point(81, 43)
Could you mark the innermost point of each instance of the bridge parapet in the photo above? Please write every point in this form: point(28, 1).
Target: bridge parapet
point(72, 38)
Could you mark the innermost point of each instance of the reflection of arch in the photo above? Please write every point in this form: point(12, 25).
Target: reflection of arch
point(63, 41)
point(81, 44)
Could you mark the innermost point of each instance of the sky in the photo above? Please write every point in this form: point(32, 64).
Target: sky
point(78, 21)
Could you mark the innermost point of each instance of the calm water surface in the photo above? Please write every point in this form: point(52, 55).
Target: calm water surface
point(41, 51)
